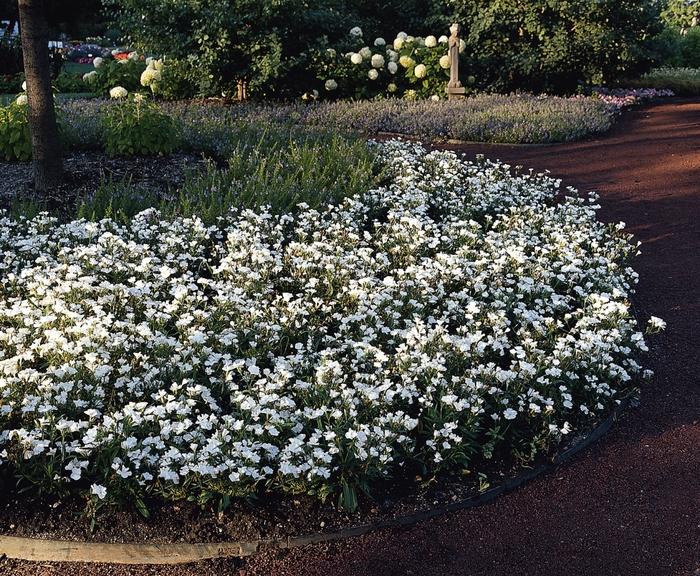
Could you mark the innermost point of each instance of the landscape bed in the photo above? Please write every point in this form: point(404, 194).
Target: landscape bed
point(457, 319)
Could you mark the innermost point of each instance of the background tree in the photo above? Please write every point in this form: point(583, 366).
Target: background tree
point(46, 150)
point(554, 45)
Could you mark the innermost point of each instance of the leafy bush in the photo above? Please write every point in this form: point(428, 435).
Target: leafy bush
point(110, 73)
point(137, 127)
point(546, 46)
point(683, 81)
point(11, 83)
point(69, 83)
point(15, 142)
point(430, 326)
point(678, 50)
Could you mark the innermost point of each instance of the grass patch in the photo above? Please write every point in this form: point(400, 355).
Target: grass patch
point(683, 81)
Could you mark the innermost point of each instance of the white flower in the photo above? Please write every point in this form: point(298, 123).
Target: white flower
point(420, 71)
point(445, 62)
point(21, 99)
point(406, 61)
point(392, 67)
point(99, 491)
point(378, 61)
point(373, 74)
point(391, 87)
point(356, 32)
point(379, 42)
point(435, 97)
point(462, 45)
point(655, 324)
point(430, 42)
point(331, 52)
point(366, 52)
point(150, 76)
point(443, 39)
point(133, 55)
point(402, 35)
point(89, 76)
point(398, 43)
point(331, 85)
point(510, 414)
point(118, 92)
point(98, 61)
point(24, 86)
point(356, 58)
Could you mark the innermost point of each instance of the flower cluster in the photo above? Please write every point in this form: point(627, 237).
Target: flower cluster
point(623, 98)
point(457, 314)
point(409, 66)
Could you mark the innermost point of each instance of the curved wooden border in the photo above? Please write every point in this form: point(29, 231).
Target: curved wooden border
point(33, 549)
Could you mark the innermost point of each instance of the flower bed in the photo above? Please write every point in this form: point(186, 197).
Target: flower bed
point(456, 318)
point(514, 119)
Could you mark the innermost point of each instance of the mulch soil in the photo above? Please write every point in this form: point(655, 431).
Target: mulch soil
point(631, 504)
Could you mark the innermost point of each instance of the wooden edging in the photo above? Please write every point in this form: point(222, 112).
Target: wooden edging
point(34, 549)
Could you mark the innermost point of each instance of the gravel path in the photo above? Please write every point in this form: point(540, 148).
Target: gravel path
point(630, 505)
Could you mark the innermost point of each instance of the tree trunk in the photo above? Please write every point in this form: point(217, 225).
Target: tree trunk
point(46, 147)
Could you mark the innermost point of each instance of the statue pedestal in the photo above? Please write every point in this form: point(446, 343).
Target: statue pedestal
point(454, 92)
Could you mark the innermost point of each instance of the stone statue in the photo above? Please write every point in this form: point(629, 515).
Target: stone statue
point(454, 86)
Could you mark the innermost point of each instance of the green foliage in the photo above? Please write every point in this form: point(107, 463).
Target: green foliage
point(277, 168)
point(542, 45)
point(678, 50)
point(11, 83)
point(15, 143)
point(111, 73)
point(69, 83)
point(681, 14)
point(137, 127)
point(683, 81)
point(179, 79)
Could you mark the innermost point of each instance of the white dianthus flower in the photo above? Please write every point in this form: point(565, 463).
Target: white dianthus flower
point(420, 71)
point(377, 61)
point(99, 491)
point(510, 414)
point(118, 92)
point(356, 58)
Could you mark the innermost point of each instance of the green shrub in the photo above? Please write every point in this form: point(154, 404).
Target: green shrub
point(15, 143)
point(683, 81)
point(111, 73)
point(69, 83)
point(138, 127)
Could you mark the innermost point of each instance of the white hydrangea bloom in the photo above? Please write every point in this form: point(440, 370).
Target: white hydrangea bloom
point(420, 71)
point(379, 42)
point(356, 32)
point(392, 67)
point(445, 62)
point(443, 39)
point(21, 99)
point(366, 52)
point(373, 74)
point(356, 58)
point(118, 92)
point(331, 85)
point(98, 61)
point(377, 61)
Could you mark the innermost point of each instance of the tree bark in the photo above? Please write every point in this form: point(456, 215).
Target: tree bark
point(46, 147)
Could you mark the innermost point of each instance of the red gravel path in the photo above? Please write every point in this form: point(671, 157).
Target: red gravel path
point(630, 505)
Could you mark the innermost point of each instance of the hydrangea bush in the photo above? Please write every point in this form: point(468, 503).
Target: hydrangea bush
point(409, 66)
point(455, 316)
